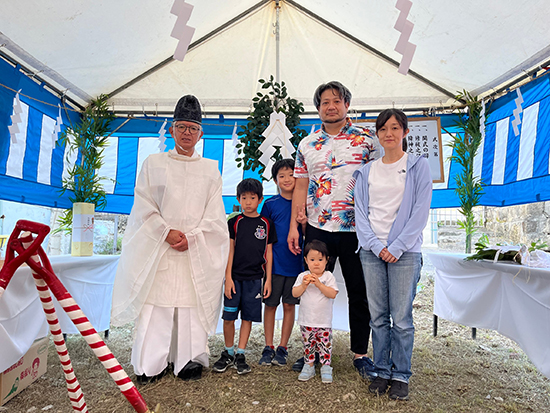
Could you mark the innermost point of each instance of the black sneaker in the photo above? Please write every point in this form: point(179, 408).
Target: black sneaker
point(224, 362)
point(240, 364)
point(267, 356)
point(379, 386)
point(399, 390)
point(280, 356)
point(298, 365)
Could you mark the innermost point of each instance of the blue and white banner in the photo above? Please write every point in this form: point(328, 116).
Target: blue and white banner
point(515, 169)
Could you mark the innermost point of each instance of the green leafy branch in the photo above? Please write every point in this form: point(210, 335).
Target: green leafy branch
point(88, 138)
point(483, 252)
point(537, 245)
point(469, 188)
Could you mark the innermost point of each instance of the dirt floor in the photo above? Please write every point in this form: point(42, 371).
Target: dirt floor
point(451, 373)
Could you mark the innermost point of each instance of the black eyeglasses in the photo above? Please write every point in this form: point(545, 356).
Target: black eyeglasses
point(192, 129)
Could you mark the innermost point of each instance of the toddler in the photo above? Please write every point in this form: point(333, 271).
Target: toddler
point(317, 289)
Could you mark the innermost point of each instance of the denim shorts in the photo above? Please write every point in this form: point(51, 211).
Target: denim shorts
point(247, 300)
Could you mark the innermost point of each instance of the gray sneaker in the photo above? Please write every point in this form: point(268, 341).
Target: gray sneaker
point(240, 364)
point(307, 373)
point(326, 374)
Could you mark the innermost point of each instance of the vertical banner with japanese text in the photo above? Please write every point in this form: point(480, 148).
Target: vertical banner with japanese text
point(423, 139)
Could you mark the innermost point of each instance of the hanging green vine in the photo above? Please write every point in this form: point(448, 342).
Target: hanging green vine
point(469, 188)
point(89, 137)
point(274, 99)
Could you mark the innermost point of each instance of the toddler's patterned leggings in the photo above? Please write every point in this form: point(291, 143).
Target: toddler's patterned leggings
point(317, 339)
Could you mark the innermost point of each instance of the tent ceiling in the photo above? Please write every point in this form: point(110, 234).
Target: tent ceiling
point(88, 48)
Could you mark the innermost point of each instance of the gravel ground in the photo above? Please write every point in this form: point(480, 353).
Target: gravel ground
point(451, 373)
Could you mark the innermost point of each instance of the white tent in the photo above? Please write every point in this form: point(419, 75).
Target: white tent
point(123, 48)
point(74, 50)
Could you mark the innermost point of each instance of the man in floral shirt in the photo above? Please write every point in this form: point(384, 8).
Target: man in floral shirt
point(325, 162)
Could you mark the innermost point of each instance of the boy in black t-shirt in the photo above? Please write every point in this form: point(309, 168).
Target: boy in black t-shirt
point(250, 259)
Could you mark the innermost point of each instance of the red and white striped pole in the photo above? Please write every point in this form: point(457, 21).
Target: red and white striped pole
point(73, 386)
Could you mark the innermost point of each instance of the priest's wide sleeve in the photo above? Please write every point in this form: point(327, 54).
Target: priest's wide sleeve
point(208, 253)
point(142, 247)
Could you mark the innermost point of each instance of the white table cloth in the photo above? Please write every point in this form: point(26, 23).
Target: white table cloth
point(509, 298)
point(88, 279)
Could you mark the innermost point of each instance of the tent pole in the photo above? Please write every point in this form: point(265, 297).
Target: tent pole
point(29, 73)
point(277, 41)
point(115, 235)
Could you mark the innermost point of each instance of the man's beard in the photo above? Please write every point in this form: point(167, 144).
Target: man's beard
point(334, 120)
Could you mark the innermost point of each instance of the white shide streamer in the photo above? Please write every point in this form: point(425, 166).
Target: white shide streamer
point(162, 137)
point(405, 27)
point(276, 134)
point(181, 30)
point(15, 118)
point(517, 111)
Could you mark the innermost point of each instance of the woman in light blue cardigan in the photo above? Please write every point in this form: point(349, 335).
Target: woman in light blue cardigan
point(392, 204)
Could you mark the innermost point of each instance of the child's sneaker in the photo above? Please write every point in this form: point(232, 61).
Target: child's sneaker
point(326, 374)
point(298, 365)
point(240, 364)
point(267, 356)
point(307, 372)
point(224, 362)
point(280, 356)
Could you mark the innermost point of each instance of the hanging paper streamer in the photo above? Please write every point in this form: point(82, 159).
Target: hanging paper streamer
point(276, 134)
point(181, 30)
point(57, 127)
point(482, 120)
point(162, 137)
point(404, 26)
point(235, 139)
point(15, 118)
point(517, 111)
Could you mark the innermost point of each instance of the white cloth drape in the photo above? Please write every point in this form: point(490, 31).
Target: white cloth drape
point(509, 298)
point(88, 279)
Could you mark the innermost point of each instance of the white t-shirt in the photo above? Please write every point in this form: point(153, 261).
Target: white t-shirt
point(386, 188)
point(315, 307)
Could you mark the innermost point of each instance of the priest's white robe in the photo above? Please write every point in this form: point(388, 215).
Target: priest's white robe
point(183, 193)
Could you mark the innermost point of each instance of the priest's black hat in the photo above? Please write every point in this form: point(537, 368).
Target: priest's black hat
point(188, 108)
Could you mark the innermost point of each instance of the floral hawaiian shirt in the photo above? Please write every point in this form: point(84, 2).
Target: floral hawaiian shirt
point(329, 162)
